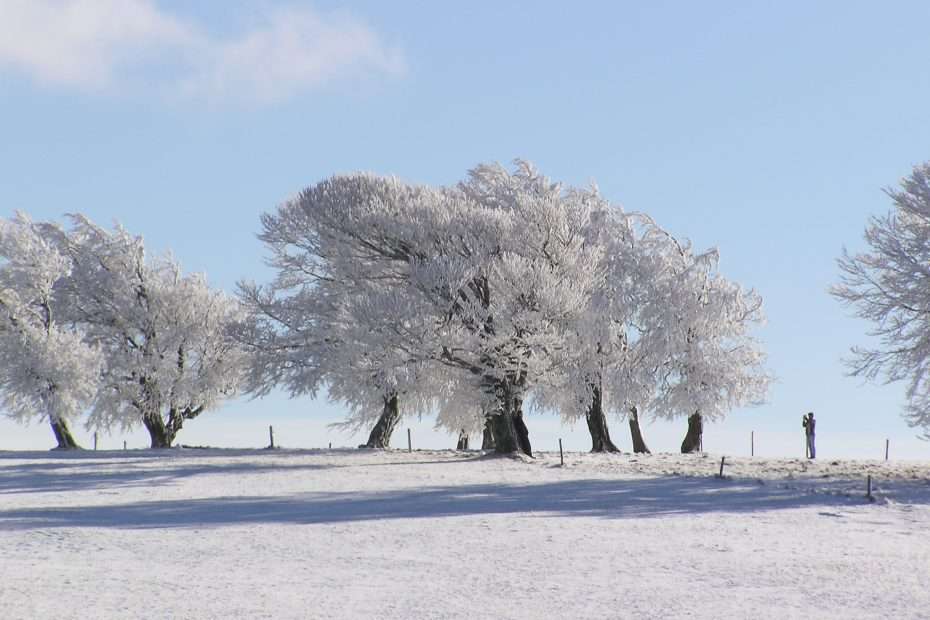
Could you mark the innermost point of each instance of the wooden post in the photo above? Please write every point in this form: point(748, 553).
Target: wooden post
point(124, 444)
point(752, 443)
point(722, 460)
point(271, 437)
point(330, 445)
point(409, 442)
point(887, 441)
point(868, 488)
point(95, 441)
point(561, 455)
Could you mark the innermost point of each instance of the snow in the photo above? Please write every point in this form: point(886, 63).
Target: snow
point(438, 534)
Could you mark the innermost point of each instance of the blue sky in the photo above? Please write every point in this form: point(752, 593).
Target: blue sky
point(767, 129)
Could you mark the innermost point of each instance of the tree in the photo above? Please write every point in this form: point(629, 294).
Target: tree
point(889, 285)
point(46, 369)
point(628, 348)
point(540, 268)
point(596, 345)
point(341, 311)
point(320, 327)
point(167, 356)
point(478, 280)
point(662, 330)
point(709, 362)
point(473, 300)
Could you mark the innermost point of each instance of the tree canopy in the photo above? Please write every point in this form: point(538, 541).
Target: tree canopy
point(474, 298)
point(889, 286)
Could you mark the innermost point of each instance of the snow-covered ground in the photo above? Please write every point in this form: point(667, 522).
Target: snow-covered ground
point(431, 534)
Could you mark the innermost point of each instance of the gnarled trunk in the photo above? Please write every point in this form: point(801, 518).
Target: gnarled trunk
point(693, 440)
point(161, 435)
point(510, 432)
point(505, 433)
point(639, 444)
point(63, 435)
point(463, 440)
point(597, 425)
point(150, 404)
point(487, 435)
point(523, 433)
point(380, 437)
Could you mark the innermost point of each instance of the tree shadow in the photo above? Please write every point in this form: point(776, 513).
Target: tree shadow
point(84, 471)
point(605, 499)
point(77, 470)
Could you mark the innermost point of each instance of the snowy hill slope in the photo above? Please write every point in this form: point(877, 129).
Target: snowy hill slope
point(359, 534)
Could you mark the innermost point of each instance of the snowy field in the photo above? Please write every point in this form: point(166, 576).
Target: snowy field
point(432, 534)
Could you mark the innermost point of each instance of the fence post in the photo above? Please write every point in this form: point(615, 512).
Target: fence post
point(752, 443)
point(561, 455)
point(722, 460)
point(887, 441)
point(95, 441)
point(330, 445)
point(409, 442)
point(124, 444)
point(271, 437)
point(868, 488)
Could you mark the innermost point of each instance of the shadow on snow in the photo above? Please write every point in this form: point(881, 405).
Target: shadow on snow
point(83, 471)
point(606, 499)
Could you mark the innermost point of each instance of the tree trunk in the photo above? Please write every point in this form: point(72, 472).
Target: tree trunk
point(693, 440)
point(161, 435)
point(639, 444)
point(597, 425)
point(510, 432)
point(380, 437)
point(523, 433)
point(63, 435)
point(487, 435)
point(463, 440)
point(149, 405)
point(505, 433)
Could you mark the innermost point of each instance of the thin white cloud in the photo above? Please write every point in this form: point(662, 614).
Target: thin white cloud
point(112, 45)
point(293, 49)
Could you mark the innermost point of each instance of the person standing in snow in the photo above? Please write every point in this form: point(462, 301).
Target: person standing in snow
point(808, 423)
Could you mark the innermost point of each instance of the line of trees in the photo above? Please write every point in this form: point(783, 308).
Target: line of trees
point(91, 325)
point(504, 292)
point(479, 300)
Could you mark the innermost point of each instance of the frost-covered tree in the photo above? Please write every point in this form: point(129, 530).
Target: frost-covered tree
point(342, 311)
point(889, 285)
point(662, 332)
point(369, 370)
point(47, 371)
point(629, 355)
point(613, 350)
point(332, 326)
point(163, 336)
point(473, 299)
point(479, 279)
point(596, 346)
point(538, 270)
point(602, 367)
point(699, 325)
